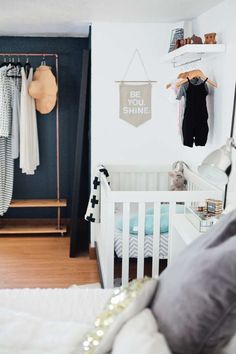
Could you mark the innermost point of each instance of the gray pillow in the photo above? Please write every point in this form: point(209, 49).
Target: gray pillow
point(195, 303)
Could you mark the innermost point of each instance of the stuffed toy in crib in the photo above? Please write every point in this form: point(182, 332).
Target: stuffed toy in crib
point(178, 181)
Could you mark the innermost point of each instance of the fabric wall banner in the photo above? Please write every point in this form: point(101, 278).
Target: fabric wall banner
point(135, 103)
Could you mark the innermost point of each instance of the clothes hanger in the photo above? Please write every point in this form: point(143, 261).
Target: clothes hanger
point(43, 62)
point(27, 67)
point(4, 62)
point(18, 64)
point(10, 62)
point(196, 73)
point(191, 74)
point(180, 76)
point(13, 66)
point(168, 86)
point(18, 67)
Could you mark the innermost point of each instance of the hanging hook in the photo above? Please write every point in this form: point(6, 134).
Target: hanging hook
point(43, 62)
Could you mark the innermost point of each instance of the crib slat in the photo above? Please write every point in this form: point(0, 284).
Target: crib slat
point(141, 232)
point(133, 182)
point(120, 182)
point(110, 243)
point(157, 187)
point(125, 244)
point(156, 239)
point(172, 211)
point(144, 181)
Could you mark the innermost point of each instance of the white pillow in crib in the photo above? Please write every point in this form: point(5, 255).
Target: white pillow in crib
point(140, 335)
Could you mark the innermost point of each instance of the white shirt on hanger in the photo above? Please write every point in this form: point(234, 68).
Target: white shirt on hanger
point(29, 148)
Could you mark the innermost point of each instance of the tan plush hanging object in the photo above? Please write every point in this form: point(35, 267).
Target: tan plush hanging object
point(43, 89)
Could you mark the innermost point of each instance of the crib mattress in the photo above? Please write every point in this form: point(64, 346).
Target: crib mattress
point(148, 245)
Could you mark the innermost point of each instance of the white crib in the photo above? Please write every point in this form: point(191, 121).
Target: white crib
point(141, 186)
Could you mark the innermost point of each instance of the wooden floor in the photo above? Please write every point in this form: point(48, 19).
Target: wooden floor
point(29, 262)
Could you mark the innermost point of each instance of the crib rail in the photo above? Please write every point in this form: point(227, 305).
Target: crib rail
point(198, 191)
point(149, 178)
point(178, 196)
point(196, 182)
point(138, 178)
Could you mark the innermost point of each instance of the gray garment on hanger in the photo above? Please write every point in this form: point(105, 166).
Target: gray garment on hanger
point(6, 160)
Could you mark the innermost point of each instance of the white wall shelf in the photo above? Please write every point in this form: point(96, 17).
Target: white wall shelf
point(192, 52)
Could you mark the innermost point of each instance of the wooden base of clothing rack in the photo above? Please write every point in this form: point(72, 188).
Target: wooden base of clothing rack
point(41, 227)
point(31, 229)
point(38, 203)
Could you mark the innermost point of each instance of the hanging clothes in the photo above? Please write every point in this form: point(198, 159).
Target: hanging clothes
point(15, 107)
point(5, 103)
point(16, 89)
point(195, 121)
point(29, 147)
point(6, 160)
point(173, 93)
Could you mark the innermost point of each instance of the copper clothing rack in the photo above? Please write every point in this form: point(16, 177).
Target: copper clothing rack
point(58, 202)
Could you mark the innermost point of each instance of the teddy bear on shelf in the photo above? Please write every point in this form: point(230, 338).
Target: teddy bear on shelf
point(196, 40)
point(178, 181)
point(210, 38)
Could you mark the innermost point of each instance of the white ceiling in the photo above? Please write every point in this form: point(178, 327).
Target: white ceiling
point(71, 17)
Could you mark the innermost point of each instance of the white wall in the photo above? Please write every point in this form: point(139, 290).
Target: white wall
point(221, 19)
point(157, 141)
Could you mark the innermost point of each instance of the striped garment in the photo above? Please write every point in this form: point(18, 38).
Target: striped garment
point(6, 160)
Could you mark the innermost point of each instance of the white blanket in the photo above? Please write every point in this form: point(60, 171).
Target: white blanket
point(51, 321)
point(47, 321)
point(22, 333)
point(73, 304)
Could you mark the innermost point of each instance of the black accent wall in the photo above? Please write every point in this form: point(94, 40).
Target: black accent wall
point(43, 183)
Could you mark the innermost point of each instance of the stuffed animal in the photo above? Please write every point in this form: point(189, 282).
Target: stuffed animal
point(196, 40)
point(179, 43)
point(210, 38)
point(187, 40)
point(178, 182)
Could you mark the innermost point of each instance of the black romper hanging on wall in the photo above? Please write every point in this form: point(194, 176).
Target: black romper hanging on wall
point(195, 123)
